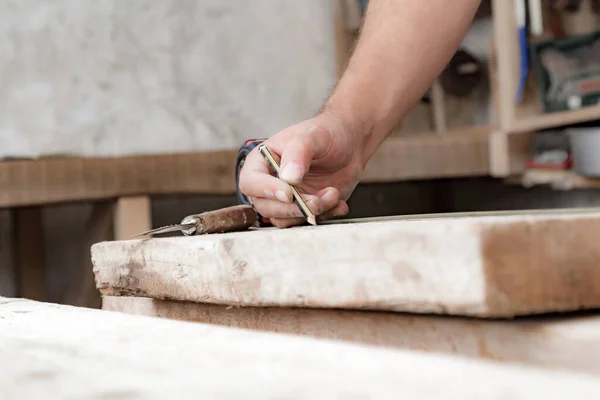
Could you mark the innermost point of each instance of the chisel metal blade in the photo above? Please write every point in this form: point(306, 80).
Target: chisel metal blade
point(167, 229)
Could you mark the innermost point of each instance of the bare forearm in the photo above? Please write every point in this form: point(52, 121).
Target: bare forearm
point(404, 45)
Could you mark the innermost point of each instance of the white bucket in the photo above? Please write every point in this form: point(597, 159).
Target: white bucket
point(585, 150)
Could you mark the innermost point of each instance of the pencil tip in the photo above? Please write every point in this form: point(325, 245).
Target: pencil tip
point(312, 220)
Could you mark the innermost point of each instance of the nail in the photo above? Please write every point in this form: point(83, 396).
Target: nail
point(283, 196)
point(317, 204)
point(340, 212)
point(328, 193)
point(291, 173)
point(268, 194)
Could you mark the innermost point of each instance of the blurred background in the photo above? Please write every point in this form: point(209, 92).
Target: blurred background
point(121, 115)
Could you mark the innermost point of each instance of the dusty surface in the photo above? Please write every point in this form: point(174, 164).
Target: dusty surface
point(56, 352)
point(558, 342)
point(483, 265)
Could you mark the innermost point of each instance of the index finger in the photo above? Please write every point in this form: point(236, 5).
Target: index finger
point(256, 180)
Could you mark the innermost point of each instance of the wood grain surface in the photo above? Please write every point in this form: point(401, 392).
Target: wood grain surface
point(557, 342)
point(482, 264)
point(60, 352)
point(60, 179)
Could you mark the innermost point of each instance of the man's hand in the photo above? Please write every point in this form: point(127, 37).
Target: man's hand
point(403, 46)
point(321, 156)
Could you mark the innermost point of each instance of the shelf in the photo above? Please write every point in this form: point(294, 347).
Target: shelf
point(558, 180)
point(53, 180)
point(427, 155)
point(529, 116)
point(553, 120)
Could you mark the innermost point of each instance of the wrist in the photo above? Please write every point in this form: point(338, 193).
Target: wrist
point(354, 120)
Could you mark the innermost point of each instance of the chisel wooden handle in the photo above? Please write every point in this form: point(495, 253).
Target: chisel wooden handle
point(228, 219)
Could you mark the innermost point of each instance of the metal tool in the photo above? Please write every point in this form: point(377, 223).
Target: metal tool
point(228, 219)
point(239, 217)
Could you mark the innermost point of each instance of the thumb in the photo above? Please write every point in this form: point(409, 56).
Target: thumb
point(296, 158)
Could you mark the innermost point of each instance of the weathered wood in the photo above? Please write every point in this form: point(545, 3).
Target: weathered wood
point(133, 215)
point(53, 351)
point(455, 153)
point(558, 342)
point(481, 264)
point(53, 180)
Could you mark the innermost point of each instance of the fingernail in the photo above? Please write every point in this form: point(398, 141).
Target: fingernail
point(340, 211)
point(318, 205)
point(283, 196)
point(268, 194)
point(328, 193)
point(291, 172)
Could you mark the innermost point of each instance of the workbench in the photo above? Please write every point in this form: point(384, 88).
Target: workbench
point(56, 351)
point(502, 286)
point(121, 189)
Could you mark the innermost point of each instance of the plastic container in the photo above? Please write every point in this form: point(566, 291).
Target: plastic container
point(585, 150)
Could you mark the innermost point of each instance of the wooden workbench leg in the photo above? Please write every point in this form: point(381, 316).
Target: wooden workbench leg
point(499, 155)
point(132, 215)
point(438, 107)
point(29, 253)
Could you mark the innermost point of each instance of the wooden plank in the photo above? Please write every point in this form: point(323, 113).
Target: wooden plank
point(459, 153)
point(53, 180)
point(481, 264)
point(30, 252)
point(535, 119)
point(47, 181)
point(133, 215)
point(83, 353)
point(499, 155)
point(343, 39)
point(506, 59)
point(559, 342)
point(438, 107)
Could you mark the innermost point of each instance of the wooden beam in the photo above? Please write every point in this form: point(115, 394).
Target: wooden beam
point(451, 154)
point(133, 215)
point(68, 352)
point(48, 181)
point(499, 155)
point(438, 107)
point(551, 342)
point(343, 43)
point(497, 264)
point(507, 61)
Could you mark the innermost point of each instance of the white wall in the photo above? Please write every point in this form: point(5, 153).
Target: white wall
point(116, 77)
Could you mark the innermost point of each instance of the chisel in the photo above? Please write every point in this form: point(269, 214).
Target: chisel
point(234, 218)
point(228, 219)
